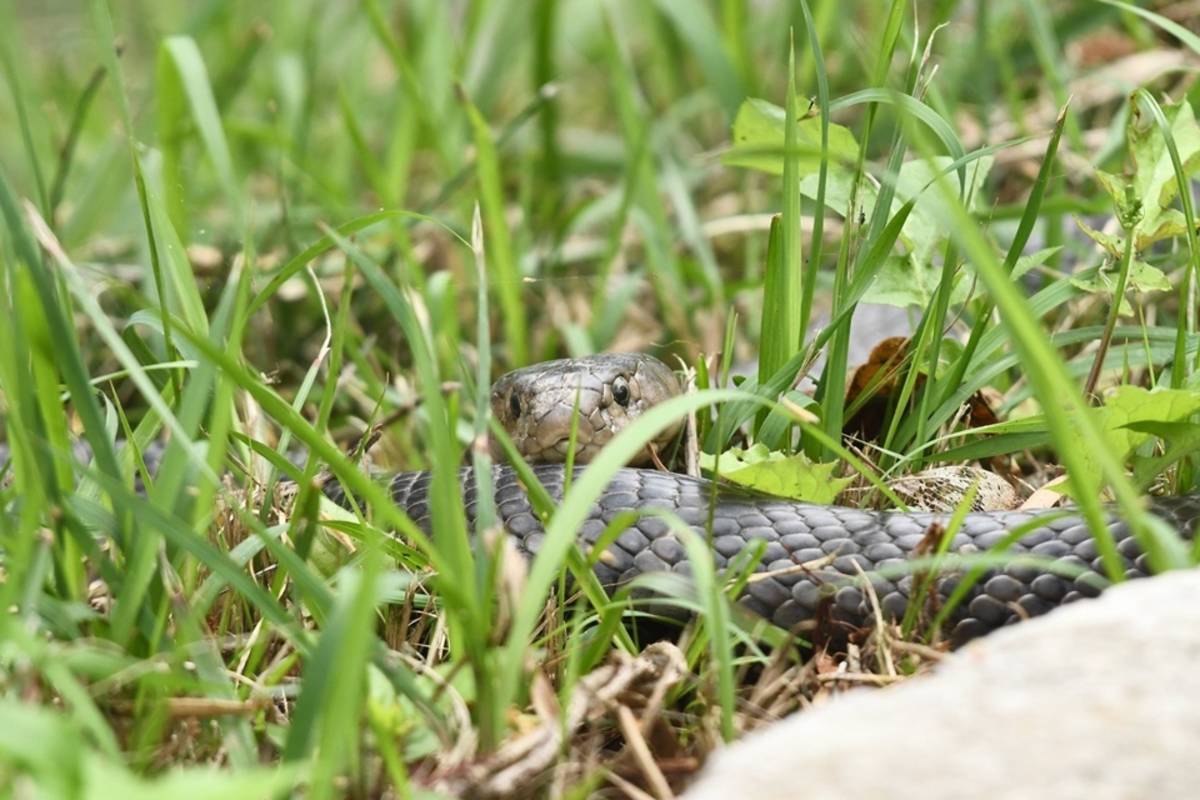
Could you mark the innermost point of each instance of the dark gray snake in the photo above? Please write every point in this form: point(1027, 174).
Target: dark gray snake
point(536, 405)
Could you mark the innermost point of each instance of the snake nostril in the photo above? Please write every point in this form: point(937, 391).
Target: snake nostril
point(514, 405)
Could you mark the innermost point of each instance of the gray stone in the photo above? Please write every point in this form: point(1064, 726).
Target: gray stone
point(1093, 700)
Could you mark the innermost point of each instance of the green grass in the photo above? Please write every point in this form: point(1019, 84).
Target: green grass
point(241, 226)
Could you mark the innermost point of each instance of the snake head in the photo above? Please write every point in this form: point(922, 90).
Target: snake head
point(536, 404)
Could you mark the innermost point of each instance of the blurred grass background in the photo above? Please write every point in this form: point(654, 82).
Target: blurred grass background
point(294, 184)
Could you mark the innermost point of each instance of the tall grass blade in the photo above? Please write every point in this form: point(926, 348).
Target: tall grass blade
point(784, 314)
point(507, 281)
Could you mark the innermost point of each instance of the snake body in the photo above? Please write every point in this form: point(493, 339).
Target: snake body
point(835, 542)
point(810, 552)
point(815, 558)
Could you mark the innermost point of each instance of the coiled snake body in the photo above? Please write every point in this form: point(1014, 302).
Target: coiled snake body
point(811, 551)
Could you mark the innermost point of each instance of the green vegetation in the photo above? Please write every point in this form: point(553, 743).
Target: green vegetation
point(244, 227)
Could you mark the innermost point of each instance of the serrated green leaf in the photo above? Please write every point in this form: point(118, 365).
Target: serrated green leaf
point(929, 225)
point(913, 279)
point(1129, 405)
point(1167, 224)
point(1154, 175)
point(903, 282)
point(758, 134)
point(1148, 196)
point(1181, 440)
point(736, 458)
point(1142, 278)
point(775, 473)
point(1113, 245)
point(1154, 180)
point(1113, 184)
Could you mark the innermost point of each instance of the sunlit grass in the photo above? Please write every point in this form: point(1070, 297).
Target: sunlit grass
point(241, 227)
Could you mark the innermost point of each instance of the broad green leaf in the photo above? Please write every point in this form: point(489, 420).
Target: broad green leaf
point(758, 134)
point(1168, 224)
point(770, 471)
point(1154, 179)
point(925, 229)
point(1114, 245)
point(903, 281)
point(1129, 405)
point(913, 279)
point(1181, 440)
point(1142, 278)
point(837, 191)
point(929, 225)
point(1144, 201)
point(1114, 185)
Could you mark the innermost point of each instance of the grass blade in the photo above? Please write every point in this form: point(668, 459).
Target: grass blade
point(784, 316)
point(507, 279)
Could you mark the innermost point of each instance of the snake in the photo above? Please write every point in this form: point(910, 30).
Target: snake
point(814, 561)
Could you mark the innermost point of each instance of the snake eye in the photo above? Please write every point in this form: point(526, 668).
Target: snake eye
point(620, 392)
point(514, 405)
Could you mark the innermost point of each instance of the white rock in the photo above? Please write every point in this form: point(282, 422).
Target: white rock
point(1096, 700)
